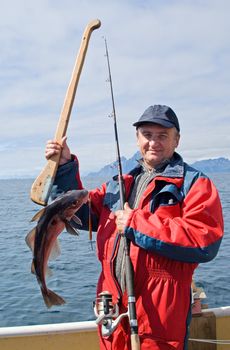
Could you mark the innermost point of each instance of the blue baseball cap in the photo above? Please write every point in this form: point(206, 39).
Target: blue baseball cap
point(159, 114)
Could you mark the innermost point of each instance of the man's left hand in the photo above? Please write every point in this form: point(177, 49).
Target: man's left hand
point(122, 217)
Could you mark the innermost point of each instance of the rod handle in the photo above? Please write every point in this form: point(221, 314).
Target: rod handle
point(135, 342)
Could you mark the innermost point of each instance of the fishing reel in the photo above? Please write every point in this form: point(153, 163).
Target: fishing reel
point(107, 314)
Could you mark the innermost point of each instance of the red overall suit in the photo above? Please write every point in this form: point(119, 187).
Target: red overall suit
point(178, 224)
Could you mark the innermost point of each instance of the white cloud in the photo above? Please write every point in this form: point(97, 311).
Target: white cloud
point(174, 53)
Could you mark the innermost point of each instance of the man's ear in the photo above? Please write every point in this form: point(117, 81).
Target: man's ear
point(137, 138)
point(177, 139)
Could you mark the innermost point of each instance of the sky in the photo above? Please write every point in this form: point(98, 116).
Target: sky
point(175, 53)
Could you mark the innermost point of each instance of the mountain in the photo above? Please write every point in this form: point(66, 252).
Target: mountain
point(111, 169)
point(217, 165)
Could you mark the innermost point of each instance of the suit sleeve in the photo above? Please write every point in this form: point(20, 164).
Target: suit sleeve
point(192, 232)
point(68, 178)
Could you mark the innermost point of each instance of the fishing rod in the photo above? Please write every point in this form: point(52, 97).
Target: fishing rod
point(129, 273)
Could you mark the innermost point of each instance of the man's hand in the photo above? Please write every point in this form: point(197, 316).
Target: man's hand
point(53, 147)
point(122, 217)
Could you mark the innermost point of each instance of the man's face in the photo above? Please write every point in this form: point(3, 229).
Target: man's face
point(156, 143)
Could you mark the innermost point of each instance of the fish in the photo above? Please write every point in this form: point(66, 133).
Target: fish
point(43, 238)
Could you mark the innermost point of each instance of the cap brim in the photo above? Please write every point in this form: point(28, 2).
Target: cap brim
point(165, 123)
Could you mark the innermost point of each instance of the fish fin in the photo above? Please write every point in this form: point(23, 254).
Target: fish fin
point(49, 272)
point(39, 214)
point(33, 268)
point(70, 229)
point(56, 250)
point(30, 238)
point(76, 220)
point(51, 298)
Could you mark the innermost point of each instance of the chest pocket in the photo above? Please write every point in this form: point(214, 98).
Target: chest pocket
point(169, 195)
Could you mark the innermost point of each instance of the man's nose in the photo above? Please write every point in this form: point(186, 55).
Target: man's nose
point(154, 141)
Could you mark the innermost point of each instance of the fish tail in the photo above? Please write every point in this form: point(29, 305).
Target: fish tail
point(51, 298)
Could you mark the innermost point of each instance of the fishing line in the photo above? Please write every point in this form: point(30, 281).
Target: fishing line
point(211, 341)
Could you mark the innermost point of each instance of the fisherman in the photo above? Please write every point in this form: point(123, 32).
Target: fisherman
point(173, 218)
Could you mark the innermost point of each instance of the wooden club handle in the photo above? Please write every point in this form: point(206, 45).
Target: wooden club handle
point(42, 186)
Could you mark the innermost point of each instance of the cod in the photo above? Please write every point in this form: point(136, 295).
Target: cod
point(42, 240)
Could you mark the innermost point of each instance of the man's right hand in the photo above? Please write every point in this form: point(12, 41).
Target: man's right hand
point(53, 147)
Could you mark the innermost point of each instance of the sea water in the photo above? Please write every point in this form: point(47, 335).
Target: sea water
point(76, 271)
